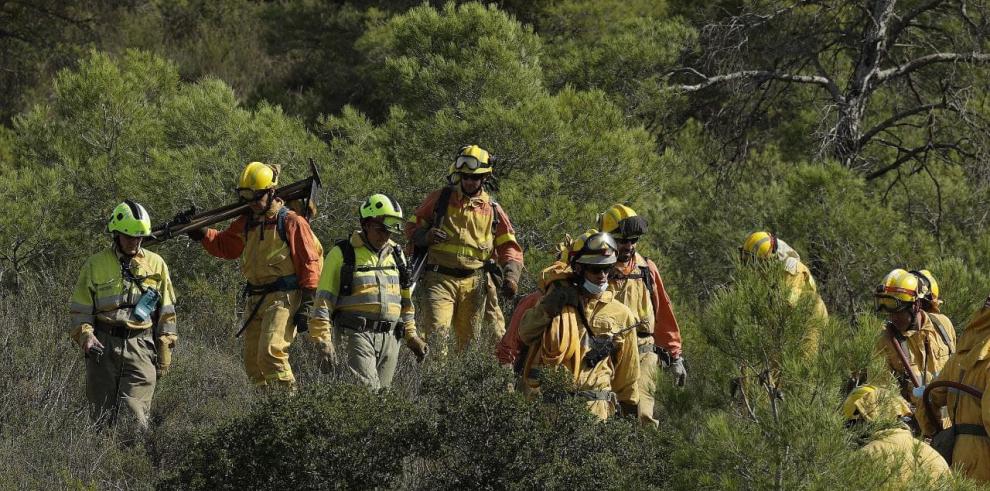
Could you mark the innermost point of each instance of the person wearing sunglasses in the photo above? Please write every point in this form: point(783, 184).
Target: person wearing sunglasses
point(925, 339)
point(637, 283)
point(765, 246)
point(281, 260)
point(364, 297)
point(470, 243)
point(580, 326)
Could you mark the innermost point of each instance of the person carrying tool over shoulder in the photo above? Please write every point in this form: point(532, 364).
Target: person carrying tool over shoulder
point(895, 446)
point(580, 327)
point(637, 284)
point(364, 297)
point(968, 447)
point(281, 260)
point(915, 344)
point(470, 243)
point(122, 308)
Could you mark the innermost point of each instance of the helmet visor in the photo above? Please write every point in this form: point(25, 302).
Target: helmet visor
point(393, 224)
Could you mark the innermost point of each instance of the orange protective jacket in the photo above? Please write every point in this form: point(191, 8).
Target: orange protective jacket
point(508, 347)
point(265, 256)
point(666, 332)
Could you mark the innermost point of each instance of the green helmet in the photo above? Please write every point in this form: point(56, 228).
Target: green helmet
point(380, 205)
point(130, 218)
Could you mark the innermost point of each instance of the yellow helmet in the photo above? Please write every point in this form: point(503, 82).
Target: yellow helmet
point(593, 247)
point(257, 176)
point(760, 244)
point(928, 290)
point(622, 222)
point(897, 292)
point(131, 219)
point(872, 403)
point(472, 159)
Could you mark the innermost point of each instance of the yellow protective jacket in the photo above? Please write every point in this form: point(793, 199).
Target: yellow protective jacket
point(898, 448)
point(563, 341)
point(926, 350)
point(802, 283)
point(970, 365)
point(104, 296)
point(375, 295)
point(659, 325)
point(468, 223)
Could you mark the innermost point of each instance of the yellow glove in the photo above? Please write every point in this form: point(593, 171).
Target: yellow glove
point(165, 343)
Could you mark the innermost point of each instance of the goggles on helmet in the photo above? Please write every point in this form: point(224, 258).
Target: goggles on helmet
point(890, 305)
point(468, 162)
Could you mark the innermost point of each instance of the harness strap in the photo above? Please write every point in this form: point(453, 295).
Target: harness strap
point(971, 429)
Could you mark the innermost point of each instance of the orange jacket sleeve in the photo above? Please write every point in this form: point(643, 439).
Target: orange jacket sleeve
point(507, 249)
point(227, 244)
point(508, 347)
point(666, 333)
point(304, 251)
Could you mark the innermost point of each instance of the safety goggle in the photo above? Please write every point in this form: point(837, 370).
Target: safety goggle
point(627, 240)
point(890, 305)
point(596, 269)
point(469, 162)
point(249, 195)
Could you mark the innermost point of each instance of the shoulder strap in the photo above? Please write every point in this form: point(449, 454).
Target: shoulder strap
point(280, 223)
point(440, 209)
point(647, 282)
point(942, 333)
point(495, 218)
point(347, 268)
point(405, 278)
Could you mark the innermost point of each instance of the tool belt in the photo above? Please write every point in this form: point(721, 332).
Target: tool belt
point(357, 323)
point(283, 284)
point(455, 272)
point(122, 332)
point(971, 429)
point(647, 348)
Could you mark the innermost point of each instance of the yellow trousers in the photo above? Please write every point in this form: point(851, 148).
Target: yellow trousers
point(648, 363)
point(453, 304)
point(267, 338)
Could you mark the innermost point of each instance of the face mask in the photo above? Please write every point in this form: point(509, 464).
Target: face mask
point(594, 288)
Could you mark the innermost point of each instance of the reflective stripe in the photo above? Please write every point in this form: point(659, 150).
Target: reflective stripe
point(80, 308)
point(166, 309)
point(407, 317)
point(321, 313)
point(78, 319)
point(362, 279)
point(463, 250)
point(504, 238)
point(374, 298)
point(168, 327)
point(110, 302)
point(330, 297)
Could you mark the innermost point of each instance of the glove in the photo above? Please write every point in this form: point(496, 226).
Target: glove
point(301, 319)
point(197, 234)
point(678, 371)
point(509, 288)
point(165, 344)
point(628, 409)
point(328, 356)
point(418, 347)
point(560, 296)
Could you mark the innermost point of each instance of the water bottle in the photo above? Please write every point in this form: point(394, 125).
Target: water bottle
point(146, 305)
